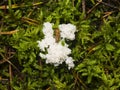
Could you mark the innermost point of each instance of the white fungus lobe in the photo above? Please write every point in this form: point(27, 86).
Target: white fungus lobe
point(67, 31)
point(56, 52)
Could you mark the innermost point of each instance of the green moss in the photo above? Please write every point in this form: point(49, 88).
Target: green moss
point(95, 50)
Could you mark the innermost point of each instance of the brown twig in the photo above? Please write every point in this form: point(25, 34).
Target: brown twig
point(81, 82)
point(30, 21)
point(7, 60)
point(84, 7)
point(14, 6)
point(101, 2)
point(88, 12)
point(112, 6)
point(9, 32)
point(3, 79)
point(77, 79)
point(107, 14)
point(10, 73)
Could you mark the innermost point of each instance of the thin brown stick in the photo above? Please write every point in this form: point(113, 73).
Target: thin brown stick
point(107, 14)
point(84, 7)
point(10, 73)
point(81, 82)
point(77, 79)
point(4, 60)
point(3, 79)
point(14, 6)
point(30, 21)
point(109, 5)
point(9, 32)
point(88, 12)
point(7, 60)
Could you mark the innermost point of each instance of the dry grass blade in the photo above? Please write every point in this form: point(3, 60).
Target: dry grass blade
point(30, 21)
point(10, 73)
point(14, 6)
point(107, 14)
point(9, 32)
